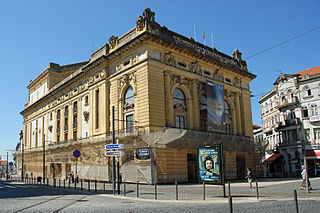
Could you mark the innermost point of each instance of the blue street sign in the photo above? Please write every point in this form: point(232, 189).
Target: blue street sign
point(11, 163)
point(115, 146)
point(76, 153)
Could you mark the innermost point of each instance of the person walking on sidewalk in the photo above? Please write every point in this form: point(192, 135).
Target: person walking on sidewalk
point(304, 177)
point(249, 177)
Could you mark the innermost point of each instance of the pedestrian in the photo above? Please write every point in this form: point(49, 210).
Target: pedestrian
point(249, 177)
point(304, 178)
point(72, 176)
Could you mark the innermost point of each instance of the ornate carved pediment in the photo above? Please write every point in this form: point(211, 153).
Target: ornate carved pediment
point(237, 81)
point(217, 75)
point(201, 87)
point(113, 40)
point(179, 108)
point(168, 58)
point(128, 107)
point(195, 68)
point(140, 23)
point(237, 55)
point(148, 15)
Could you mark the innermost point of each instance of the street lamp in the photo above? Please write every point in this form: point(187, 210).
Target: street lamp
point(22, 152)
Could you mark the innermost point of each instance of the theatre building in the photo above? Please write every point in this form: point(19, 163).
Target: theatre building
point(170, 95)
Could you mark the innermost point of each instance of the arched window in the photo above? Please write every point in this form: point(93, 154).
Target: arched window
point(307, 91)
point(128, 109)
point(203, 112)
point(228, 115)
point(180, 109)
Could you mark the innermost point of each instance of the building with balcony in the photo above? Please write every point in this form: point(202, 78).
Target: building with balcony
point(289, 116)
point(158, 83)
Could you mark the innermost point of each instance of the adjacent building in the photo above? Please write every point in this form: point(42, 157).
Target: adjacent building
point(290, 121)
point(151, 86)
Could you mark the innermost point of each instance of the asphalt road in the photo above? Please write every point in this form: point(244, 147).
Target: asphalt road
point(275, 196)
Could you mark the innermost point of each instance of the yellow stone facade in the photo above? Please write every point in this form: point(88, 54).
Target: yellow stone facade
point(70, 108)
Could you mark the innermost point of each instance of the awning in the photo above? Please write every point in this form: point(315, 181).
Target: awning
point(272, 157)
point(312, 154)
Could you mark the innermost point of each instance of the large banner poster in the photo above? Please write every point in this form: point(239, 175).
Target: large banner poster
point(215, 107)
point(209, 164)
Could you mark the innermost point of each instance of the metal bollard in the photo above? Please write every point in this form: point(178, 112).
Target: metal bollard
point(137, 188)
point(257, 187)
point(88, 185)
point(59, 182)
point(296, 200)
point(204, 190)
point(81, 187)
point(230, 204)
point(64, 183)
point(176, 190)
point(104, 186)
point(75, 184)
point(230, 198)
point(155, 191)
point(95, 185)
point(47, 181)
point(69, 182)
point(124, 188)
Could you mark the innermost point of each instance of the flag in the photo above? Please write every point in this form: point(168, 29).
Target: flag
point(204, 34)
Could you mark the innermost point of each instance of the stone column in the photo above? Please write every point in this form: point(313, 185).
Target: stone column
point(196, 105)
point(168, 98)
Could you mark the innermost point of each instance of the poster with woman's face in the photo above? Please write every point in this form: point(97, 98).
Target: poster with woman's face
point(209, 163)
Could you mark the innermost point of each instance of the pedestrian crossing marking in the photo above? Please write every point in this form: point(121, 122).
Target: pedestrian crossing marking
point(7, 186)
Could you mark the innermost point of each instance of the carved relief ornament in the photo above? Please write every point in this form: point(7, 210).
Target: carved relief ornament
point(168, 58)
point(195, 67)
point(113, 41)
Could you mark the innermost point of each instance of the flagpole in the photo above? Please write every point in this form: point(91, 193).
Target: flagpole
point(194, 30)
point(212, 39)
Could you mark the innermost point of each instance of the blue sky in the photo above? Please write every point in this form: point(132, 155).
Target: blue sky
point(34, 33)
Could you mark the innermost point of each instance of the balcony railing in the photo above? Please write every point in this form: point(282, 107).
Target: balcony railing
point(66, 128)
point(287, 102)
point(75, 124)
point(58, 130)
point(75, 109)
point(58, 116)
point(66, 113)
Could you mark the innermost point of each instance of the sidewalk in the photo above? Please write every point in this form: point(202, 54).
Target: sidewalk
point(279, 189)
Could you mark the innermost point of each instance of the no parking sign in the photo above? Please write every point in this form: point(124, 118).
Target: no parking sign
point(76, 153)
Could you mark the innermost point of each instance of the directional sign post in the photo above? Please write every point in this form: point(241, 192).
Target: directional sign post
point(114, 153)
point(114, 146)
point(76, 154)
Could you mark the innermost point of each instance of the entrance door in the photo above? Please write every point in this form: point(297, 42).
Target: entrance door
point(241, 166)
point(192, 168)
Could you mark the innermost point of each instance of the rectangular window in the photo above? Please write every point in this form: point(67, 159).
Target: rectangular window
point(180, 122)
point(308, 134)
point(66, 124)
point(316, 132)
point(66, 111)
point(75, 120)
point(305, 112)
point(97, 109)
point(58, 138)
point(75, 135)
point(75, 107)
point(314, 110)
point(65, 136)
point(129, 123)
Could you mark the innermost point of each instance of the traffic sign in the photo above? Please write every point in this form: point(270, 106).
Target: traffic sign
point(11, 163)
point(76, 153)
point(114, 153)
point(115, 146)
point(143, 153)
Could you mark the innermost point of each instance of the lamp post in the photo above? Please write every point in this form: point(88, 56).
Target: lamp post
point(44, 161)
point(22, 152)
point(7, 167)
